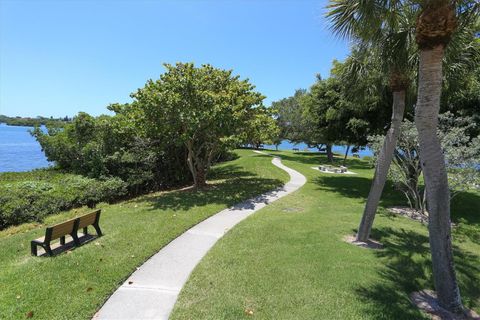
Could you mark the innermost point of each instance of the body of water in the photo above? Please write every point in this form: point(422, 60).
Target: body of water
point(19, 151)
point(287, 145)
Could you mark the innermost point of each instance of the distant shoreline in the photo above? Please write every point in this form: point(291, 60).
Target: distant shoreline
point(33, 122)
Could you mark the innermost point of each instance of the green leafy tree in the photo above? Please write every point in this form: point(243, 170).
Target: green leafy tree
point(330, 117)
point(289, 115)
point(203, 108)
point(261, 129)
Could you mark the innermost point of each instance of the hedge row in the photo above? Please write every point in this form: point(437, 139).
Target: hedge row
point(32, 199)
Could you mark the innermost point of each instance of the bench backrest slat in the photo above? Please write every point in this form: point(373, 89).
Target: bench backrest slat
point(88, 219)
point(62, 229)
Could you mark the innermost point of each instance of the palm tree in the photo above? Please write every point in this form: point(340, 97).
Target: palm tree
point(436, 23)
point(384, 31)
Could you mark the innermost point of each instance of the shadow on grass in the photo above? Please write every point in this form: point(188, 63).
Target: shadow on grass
point(466, 205)
point(69, 245)
point(315, 158)
point(406, 255)
point(357, 187)
point(466, 217)
point(235, 186)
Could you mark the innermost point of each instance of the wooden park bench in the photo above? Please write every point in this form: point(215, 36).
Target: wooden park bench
point(69, 227)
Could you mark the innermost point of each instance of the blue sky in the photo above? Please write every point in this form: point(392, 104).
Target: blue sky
point(61, 57)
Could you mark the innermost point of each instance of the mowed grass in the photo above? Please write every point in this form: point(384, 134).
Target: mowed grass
point(289, 260)
point(74, 285)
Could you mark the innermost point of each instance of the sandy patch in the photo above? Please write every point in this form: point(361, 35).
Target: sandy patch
point(409, 213)
point(426, 300)
point(370, 244)
point(347, 172)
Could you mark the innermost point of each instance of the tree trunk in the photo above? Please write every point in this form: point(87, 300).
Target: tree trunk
point(197, 167)
point(201, 178)
point(346, 154)
point(383, 164)
point(329, 153)
point(435, 174)
point(190, 163)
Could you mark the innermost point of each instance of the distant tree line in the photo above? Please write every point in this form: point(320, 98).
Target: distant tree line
point(34, 122)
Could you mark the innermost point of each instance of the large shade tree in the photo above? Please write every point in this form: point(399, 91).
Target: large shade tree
point(330, 117)
point(204, 108)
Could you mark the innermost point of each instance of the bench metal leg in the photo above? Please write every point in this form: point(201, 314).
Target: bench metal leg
point(62, 240)
point(85, 230)
point(33, 247)
point(48, 249)
point(97, 229)
point(75, 239)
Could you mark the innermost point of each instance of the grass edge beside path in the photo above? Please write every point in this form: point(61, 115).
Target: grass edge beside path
point(76, 284)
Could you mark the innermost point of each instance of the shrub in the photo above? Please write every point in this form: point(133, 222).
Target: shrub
point(31, 200)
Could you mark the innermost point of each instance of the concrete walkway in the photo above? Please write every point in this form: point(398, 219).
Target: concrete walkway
point(152, 290)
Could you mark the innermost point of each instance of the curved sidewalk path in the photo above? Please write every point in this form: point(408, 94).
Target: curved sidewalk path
point(152, 290)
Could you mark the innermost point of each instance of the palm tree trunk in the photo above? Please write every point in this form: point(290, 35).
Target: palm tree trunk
point(346, 154)
point(383, 164)
point(435, 174)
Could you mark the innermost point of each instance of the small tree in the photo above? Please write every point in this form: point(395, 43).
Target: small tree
point(261, 129)
point(288, 112)
point(462, 156)
point(204, 108)
point(406, 170)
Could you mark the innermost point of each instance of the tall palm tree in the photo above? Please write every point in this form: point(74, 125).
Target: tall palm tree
point(385, 31)
point(436, 23)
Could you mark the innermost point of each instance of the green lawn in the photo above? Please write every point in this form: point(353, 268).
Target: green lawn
point(75, 285)
point(288, 261)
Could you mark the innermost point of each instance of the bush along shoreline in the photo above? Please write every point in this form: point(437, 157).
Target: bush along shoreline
point(31, 196)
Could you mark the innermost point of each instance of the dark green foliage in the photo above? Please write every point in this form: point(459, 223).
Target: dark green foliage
point(334, 116)
point(26, 197)
point(110, 146)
